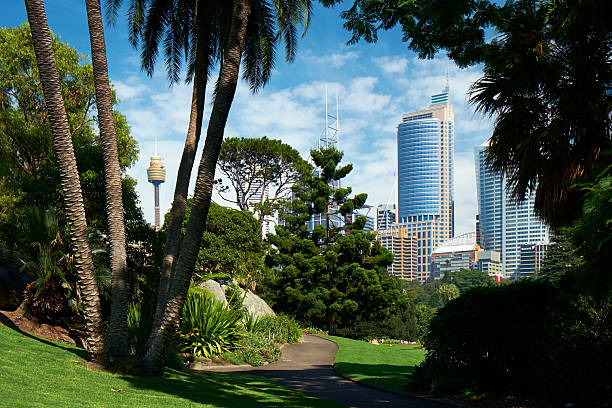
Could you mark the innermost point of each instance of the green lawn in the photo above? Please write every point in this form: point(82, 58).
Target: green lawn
point(385, 367)
point(35, 372)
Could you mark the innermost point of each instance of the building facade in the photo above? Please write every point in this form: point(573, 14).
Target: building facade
point(454, 254)
point(504, 224)
point(490, 262)
point(425, 157)
point(530, 260)
point(403, 245)
point(385, 216)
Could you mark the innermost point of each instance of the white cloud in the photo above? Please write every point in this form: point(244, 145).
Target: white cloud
point(370, 109)
point(392, 65)
point(335, 60)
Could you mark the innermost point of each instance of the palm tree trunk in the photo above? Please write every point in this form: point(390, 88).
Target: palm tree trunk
point(226, 88)
point(117, 340)
point(177, 213)
point(71, 186)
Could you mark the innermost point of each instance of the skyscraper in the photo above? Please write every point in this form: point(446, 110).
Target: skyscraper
point(425, 150)
point(504, 224)
point(156, 174)
point(385, 216)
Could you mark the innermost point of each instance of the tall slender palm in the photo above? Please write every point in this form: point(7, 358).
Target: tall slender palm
point(251, 33)
point(71, 186)
point(226, 87)
point(196, 31)
point(117, 339)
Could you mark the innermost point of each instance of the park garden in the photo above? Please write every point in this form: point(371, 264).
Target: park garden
point(79, 263)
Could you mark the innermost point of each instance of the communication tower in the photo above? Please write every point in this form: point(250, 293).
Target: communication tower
point(156, 173)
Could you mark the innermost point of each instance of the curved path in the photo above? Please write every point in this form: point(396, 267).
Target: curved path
point(308, 368)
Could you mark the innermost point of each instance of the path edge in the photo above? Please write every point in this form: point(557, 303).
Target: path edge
point(426, 397)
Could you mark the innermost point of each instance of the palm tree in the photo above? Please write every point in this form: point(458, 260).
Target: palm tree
point(252, 34)
point(71, 186)
point(548, 85)
point(117, 340)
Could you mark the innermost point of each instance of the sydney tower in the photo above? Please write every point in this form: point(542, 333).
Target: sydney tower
point(157, 175)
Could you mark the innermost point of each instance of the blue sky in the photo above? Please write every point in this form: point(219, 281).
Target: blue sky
point(375, 83)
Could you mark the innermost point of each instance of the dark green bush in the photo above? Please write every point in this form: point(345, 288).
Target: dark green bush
point(254, 349)
point(527, 338)
point(400, 325)
point(279, 328)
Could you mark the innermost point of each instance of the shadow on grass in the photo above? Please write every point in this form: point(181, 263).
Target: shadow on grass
point(235, 389)
point(79, 352)
point(385, 376)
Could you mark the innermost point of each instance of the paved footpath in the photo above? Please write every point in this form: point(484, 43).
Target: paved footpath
point(308, 368)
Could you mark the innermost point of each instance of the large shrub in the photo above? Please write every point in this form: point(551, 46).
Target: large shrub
point(208, 327)
point(526, 338)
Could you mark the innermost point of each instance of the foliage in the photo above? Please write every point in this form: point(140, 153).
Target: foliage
point(208, 327)
point(378, 365)
point(592, 235)
point(255, 165)
point(231, 245)
point(526, 338)
point(34, 367)
point(561, 256)
point(465, 279)
point(280, 328)
point(139, 320)
point(423, 314)
point(29, 174)
point(37, 240)
point(330, 278)
point(448, 292)
point(255, 349)
point(547, 82)
point(400, 325)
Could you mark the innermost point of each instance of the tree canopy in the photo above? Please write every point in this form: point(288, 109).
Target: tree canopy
point(337, 282)
point(28, 166)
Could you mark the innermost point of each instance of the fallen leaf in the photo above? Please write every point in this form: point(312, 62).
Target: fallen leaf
point(119, 390)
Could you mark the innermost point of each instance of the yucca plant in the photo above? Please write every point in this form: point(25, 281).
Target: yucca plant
point(208, 327)
point(250, 322)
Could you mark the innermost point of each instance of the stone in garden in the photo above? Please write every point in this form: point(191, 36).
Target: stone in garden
point(256, 306)
point(215, 289)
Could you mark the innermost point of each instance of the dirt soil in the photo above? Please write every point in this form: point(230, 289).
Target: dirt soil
point(48, 331)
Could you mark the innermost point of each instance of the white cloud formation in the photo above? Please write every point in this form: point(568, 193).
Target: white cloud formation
point(370, 110)
point(335, 60)
point(392, 65)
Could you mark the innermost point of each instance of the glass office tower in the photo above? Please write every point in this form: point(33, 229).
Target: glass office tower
point(425, 150)
point(504, 224)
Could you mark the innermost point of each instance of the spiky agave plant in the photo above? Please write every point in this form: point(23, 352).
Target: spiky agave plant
point(208, 327)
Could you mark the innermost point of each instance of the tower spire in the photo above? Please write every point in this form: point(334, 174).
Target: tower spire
point(447, 88)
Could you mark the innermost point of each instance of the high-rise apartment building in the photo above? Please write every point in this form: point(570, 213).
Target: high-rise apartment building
point(385, 216)
point(504, 224)
point(425, 150)
point(403, 245)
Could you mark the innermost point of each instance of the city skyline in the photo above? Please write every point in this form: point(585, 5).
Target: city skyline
point(376, 84)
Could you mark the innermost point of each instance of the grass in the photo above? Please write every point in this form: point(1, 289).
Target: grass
point(386, 367)
point(36, 372)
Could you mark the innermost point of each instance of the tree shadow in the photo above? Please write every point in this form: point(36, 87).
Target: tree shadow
point(79, 352)
point(384, 376)
point(233, 389)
